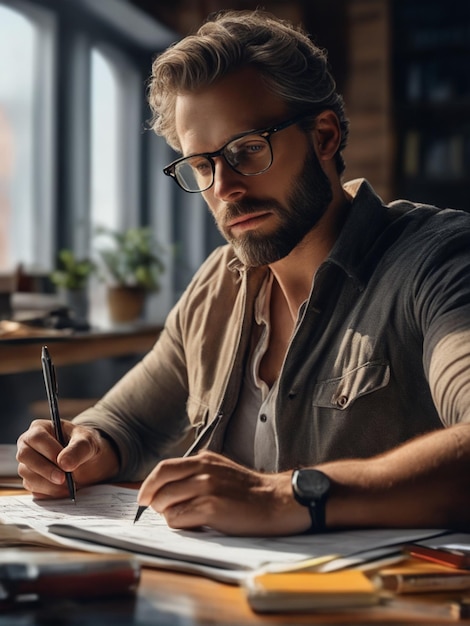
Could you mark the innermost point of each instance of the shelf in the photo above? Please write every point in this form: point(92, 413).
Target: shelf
point(24, 354)
point(431, 56)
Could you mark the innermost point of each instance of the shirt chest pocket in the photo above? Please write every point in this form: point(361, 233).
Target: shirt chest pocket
point(341, 392)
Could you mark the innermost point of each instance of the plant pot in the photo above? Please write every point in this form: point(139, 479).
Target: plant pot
point(126, 304)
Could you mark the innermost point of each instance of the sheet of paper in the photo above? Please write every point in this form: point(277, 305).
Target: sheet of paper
point(108, 512)
point(458, 541)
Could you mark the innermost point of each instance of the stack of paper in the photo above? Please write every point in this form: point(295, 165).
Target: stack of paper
point(102, 520)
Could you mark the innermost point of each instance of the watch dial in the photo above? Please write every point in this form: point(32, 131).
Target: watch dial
point(313, 482)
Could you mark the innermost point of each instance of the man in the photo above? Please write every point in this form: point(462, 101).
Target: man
point(331, 335)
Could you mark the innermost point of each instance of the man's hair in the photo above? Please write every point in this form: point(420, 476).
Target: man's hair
point(290, 64)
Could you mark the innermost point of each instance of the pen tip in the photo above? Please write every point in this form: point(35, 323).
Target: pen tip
point(138, 515)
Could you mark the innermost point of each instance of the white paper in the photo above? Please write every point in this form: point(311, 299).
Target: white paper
point(109, 512)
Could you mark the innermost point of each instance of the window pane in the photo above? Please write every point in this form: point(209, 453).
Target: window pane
point(104, 144)
point(18, 41)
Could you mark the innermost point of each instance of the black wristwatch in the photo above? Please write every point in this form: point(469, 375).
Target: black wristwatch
point(311, 488)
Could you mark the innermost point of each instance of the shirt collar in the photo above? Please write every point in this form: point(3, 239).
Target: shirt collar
point(353, 251)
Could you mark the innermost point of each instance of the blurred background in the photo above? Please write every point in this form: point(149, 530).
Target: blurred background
point(76, 153)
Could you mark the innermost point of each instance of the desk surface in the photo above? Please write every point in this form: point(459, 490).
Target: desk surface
point(176, 599)
point(22, 355)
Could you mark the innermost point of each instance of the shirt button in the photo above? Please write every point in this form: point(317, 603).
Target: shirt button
point(342, 401)
point(263, 417)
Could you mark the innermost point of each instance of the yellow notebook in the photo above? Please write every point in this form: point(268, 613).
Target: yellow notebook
point(304, 591)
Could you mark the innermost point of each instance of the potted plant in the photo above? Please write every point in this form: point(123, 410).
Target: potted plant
point(131, 265)
point(71, 278)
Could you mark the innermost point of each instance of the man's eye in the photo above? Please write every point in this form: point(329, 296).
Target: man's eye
point(254, 147)
point(201, 167)
point(248, 149)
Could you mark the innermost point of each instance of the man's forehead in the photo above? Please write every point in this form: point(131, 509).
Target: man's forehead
point(236, 103)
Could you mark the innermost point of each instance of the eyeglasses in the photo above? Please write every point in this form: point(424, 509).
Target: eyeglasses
point(249, 154)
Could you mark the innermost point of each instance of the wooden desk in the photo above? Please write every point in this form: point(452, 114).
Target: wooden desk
point(24, 354)
point(193, 600)
point(175, 599)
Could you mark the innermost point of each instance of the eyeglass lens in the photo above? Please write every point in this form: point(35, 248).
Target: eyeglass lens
point(248, 155)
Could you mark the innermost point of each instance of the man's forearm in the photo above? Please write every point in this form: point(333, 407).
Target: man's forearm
point(424, 483)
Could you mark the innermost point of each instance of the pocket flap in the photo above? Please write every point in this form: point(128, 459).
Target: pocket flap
point(341, 392)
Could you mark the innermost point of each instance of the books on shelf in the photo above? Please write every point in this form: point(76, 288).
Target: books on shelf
point(435, 156)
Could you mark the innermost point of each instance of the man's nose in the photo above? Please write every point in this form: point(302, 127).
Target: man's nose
point(228, 184)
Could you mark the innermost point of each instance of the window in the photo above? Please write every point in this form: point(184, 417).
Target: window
point(25, 137)
point(75, 150)
point(116, 133)
point(104, 199)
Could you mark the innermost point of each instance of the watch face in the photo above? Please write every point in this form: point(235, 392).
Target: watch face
point(312, 484)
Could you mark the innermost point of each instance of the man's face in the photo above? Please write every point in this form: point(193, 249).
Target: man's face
point(306, 203)
point(264, 216)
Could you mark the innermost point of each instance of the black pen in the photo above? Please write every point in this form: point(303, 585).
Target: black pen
point(141, 508)
point(51, 389)
point(138, 515)
point(207, 431)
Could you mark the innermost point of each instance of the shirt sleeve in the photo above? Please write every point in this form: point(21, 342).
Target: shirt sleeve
point(145, 412)
point(449, 377)
point(443, 309)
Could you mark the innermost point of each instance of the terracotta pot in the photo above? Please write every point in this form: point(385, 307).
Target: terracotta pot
point(126, 304)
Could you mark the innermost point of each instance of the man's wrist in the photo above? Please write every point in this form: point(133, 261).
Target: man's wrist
point(311, 489)
point(113, 445)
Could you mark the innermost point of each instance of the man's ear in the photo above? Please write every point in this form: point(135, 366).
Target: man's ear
point(327, 133)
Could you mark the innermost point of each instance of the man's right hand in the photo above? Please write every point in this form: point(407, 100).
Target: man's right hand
point(42, 461)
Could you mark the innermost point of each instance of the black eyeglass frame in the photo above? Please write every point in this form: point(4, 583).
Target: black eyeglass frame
point(170, 170)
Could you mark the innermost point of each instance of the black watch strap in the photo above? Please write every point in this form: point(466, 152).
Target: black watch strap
point(317, 515)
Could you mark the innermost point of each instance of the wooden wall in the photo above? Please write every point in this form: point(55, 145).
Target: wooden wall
point(356, 35)
point(368, 96)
